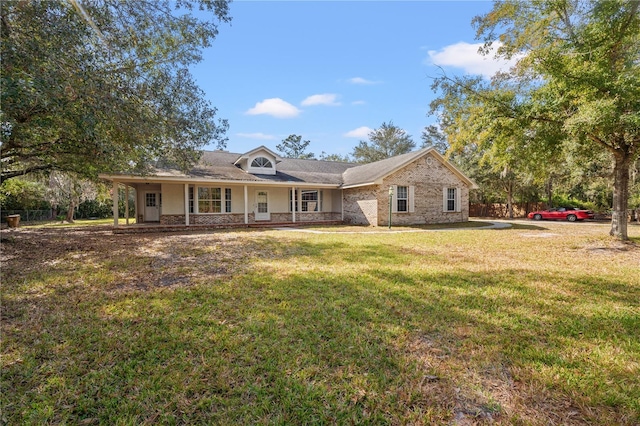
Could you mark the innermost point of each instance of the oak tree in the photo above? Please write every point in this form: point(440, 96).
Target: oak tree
point(104, 85)
point(576, 80)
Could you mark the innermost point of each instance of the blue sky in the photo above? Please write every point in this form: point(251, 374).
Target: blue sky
point(331, 71)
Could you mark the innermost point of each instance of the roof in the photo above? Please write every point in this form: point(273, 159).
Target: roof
point(222, 166)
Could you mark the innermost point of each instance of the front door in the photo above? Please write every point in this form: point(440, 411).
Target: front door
point(262, 206)
point(152, 207)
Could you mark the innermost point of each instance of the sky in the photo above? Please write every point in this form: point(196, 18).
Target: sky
point(333, 71)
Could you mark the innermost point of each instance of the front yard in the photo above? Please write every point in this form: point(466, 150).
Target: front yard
point(538, 324)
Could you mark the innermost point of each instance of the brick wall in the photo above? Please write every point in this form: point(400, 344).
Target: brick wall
point(370, 205)
point(360, 205)
point(172, 219)
point(234, 219)
point(429, 177)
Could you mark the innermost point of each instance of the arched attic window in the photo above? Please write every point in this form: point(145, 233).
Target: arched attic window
point(262, 163)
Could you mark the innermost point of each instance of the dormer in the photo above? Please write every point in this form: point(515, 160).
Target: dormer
point(260, 161)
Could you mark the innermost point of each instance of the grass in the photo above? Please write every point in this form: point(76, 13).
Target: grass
point(532, 325)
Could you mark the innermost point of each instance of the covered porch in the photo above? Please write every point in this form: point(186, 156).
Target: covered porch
point(179, 204)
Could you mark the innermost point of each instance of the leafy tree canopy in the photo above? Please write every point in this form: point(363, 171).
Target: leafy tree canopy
point(575, 82)
point(294, 147)
point(104, 86)
point(433, 137)
point(384, 142)
point(335, 157)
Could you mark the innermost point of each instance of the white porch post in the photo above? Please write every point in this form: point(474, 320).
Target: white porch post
point(186, 204)
point(246, 205)
point(300, 203)
point(126, 203)
point(114, 197)
point(293, 203)
point(135, 203)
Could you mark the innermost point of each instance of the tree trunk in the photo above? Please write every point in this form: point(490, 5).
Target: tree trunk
point(549, 189)
point(510, 199)
point(620, 196)
point(72, 208)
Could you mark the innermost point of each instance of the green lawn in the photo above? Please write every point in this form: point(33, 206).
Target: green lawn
point(539, 324)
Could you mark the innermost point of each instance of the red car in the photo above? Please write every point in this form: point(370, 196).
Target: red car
point(563, 213)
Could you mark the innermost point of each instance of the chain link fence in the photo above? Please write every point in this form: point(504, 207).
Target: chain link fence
point(28, 215)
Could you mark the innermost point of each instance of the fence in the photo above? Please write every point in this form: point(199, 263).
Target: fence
point(28, 215)
point(499, 210)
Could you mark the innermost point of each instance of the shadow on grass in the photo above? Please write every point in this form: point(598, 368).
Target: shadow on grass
point(263, 344)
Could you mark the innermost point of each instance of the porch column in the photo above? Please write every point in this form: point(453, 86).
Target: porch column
point(293, 203)
point(246, 205)
point(126, 203)
point(300, 203)
point(186, 204)
point(135, 203)
point(114, 197)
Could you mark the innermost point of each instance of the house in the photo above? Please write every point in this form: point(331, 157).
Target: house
point(261, 187)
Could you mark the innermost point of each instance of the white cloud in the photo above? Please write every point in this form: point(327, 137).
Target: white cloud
point(465, 55)
point(323, 99)
point(360, 132)
point(257, 135)
point(275, 107)
point(358, 103)
point(360, 80)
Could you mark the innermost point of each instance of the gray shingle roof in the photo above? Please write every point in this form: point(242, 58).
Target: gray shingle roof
point(368, 173)
point(219, 165)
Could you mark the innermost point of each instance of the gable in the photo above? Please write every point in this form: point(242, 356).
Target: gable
point(260, 161)
point(374, 173)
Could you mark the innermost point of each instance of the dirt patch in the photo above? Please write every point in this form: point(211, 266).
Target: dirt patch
point(139, 261)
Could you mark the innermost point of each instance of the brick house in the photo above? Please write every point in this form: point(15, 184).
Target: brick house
point(261, 187)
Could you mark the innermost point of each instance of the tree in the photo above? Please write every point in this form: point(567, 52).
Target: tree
point(385, 142)
point(294, 147)
point(432, 136)
point(575, 81)
point(104, 87)
point(335, 157)
point(67, 190)
point(22, 194)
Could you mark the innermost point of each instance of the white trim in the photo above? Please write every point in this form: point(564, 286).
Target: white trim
point(246, 205)
point(444, 200)
point(210, 182)
point(186, 204)
point(394, 199)
point(290, 202)
point(412, 204)
point(114, 199)
point(126, 204)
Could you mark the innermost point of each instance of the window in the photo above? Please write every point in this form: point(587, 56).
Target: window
point(227, 200)
point(261, 163)
point(451, 202)
point(311, 200)
point(209, 200)
point(402, 198)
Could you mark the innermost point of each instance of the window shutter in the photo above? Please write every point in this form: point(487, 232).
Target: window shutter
point(412, 204)
point(444, 199)
point(458, 206)
point(394, 201)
